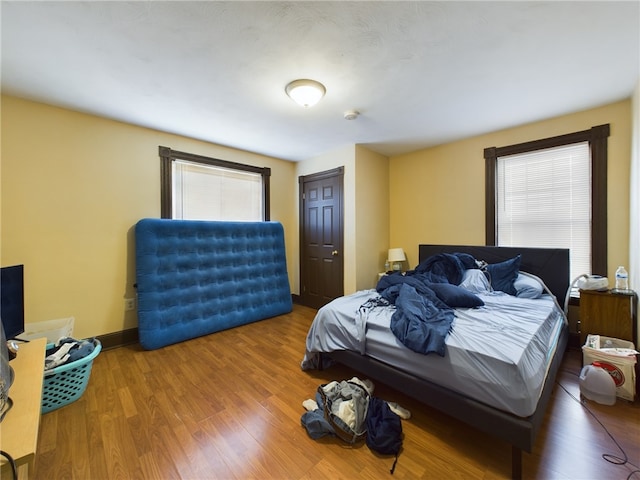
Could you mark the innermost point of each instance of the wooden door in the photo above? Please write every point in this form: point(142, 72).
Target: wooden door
point(321, 241)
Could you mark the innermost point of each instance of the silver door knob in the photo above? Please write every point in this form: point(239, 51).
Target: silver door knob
point(334, 253)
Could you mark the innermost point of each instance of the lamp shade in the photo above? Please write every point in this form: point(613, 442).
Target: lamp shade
point(304, 92)
point(396, 255)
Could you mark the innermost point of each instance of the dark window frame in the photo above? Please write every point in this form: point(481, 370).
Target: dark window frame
point(597, 138)
point(167, 156)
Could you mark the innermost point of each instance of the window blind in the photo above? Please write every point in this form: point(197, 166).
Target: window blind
point(203, 192)
point(543, 199)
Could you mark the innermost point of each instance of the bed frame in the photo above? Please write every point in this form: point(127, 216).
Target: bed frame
point(552, 266)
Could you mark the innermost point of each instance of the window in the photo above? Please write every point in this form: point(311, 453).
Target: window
point(551, 193)
point(194, 187)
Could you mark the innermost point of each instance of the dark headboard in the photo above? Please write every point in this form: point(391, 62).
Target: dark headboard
point(550, 264)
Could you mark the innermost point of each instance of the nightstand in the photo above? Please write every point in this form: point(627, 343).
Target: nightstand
point(609, 314)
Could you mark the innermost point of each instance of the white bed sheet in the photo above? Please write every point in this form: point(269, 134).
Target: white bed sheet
point(498, 354)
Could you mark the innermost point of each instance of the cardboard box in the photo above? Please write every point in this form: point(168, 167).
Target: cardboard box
point(53, 330)
point(618, 357)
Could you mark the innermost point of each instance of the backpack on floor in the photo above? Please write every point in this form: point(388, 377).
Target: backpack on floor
point(384, 429)
point(332, 395)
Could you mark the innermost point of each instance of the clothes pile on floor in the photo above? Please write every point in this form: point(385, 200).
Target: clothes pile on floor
point(348, 410)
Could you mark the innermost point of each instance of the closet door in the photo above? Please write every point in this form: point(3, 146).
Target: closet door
point(321, 238)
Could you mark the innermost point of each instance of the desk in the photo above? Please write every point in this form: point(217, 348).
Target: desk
point(19, 429)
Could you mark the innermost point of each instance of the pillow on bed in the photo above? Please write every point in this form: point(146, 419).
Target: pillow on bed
point(475, 281)
point(455, 296)
point(503, 275)
point(527, 287)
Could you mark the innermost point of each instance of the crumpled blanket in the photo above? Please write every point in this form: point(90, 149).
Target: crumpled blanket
point(421, 320)
point(420, 323)
point(449, 265)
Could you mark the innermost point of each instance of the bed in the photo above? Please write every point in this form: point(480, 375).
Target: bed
point(195, 277)
point(507, 391)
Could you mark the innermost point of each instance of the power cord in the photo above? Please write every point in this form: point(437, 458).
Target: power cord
point(606, 456)
point(14, 470)
point(7, 406)
point(568, 294)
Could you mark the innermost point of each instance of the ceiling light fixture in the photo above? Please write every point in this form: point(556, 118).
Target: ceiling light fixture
point(304, 92)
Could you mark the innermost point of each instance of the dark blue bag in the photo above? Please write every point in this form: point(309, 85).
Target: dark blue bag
point(384, 429)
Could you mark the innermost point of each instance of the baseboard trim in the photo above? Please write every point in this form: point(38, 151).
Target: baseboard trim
point(118, 339)
point(127, 337)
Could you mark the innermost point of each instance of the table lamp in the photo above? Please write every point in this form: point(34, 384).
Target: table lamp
point(396, 257)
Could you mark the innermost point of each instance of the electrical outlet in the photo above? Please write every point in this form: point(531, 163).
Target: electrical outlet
point(129, 304)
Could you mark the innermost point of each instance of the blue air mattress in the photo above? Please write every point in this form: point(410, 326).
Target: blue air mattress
point(197, 277)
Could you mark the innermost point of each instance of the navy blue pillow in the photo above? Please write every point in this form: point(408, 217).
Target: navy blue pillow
point(503, 275)
point(455, 296)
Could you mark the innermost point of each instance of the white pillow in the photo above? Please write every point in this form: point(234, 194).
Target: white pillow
point(527, 287)
point(475, 281)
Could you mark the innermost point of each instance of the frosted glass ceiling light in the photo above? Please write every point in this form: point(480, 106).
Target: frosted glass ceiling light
point(305, 93)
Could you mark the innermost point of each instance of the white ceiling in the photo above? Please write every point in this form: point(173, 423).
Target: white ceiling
point(421, 73)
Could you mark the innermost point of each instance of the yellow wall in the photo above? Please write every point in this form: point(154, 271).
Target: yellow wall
point(437, 194)
point(634, 200)
point(372, 216)
point(343, 157)
point(73, 187)
point(366, 211)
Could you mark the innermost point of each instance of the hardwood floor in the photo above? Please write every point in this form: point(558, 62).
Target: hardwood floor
point(228, 406)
